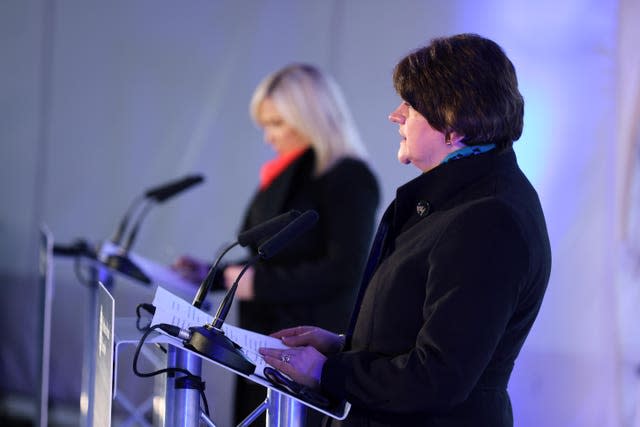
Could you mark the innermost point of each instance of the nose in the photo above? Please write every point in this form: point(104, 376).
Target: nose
point(396, 116)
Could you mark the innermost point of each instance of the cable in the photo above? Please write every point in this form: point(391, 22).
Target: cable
point(193, 380)
point(149, 308)
point(160, 371)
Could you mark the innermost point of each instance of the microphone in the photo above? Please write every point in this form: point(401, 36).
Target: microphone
point(209, 339)
point(266, 251)
point(166, 191)
point(268, 228)
point(278, 242)
point(248, 237)
point(160, 195)
point(120, 261)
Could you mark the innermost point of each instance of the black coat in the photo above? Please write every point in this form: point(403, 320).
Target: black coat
point(314, 280)
point(455, 279)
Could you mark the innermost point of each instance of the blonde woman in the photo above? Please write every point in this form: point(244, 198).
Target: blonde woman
point(319, 164)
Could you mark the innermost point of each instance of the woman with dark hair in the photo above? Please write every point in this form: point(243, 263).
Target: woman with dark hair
point(460, 262)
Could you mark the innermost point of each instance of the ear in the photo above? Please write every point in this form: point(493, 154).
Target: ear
point(454, 138)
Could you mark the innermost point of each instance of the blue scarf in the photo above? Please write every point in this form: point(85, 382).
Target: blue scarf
point(470, 150)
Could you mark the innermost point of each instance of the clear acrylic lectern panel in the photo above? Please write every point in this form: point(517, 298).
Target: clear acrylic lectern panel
point(283, 408)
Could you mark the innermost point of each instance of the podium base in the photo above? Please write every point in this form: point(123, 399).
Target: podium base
point(214, 344)
point(124, 265)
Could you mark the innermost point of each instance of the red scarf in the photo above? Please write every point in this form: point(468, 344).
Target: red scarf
point(273, 168)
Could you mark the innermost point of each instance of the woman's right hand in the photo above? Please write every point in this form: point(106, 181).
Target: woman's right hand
point(322, 340)
point(190, 269)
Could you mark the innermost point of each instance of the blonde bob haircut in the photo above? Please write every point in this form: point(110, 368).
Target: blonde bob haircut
point(312, 103)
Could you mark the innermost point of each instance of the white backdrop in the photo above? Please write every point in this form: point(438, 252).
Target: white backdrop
point(101, 100)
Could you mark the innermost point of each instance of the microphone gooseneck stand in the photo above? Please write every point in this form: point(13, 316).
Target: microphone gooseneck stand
point(210, 341)
point(119, 260)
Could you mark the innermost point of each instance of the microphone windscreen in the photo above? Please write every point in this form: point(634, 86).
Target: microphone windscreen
point(285, 236)
point(163, 192)
point(257, 234)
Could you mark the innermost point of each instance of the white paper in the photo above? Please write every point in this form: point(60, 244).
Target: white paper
point(175, 311)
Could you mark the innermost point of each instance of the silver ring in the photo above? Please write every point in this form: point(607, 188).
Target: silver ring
point(286, 358)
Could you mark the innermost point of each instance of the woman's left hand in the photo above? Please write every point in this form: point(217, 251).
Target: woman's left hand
point(244, 290)
point(302, 364)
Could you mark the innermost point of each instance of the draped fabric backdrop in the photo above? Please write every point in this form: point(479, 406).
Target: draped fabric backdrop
point(101, 100)
point(627, 261)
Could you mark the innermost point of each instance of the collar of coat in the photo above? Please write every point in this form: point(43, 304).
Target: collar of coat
point(440, 187)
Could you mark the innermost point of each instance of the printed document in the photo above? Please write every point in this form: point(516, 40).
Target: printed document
point(175, 311)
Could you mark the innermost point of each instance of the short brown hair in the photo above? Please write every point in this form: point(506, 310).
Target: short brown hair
point(464, 83)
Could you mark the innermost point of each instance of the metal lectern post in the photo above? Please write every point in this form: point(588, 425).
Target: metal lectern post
point(283, 410)
point(183, 403)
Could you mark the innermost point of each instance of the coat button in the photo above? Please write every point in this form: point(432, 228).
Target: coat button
point(423, 208)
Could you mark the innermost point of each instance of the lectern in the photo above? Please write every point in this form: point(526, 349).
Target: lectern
point(182, 403)
point(282, 407)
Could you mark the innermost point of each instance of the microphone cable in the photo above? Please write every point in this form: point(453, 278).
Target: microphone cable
point(149, 308)
point(192, 380)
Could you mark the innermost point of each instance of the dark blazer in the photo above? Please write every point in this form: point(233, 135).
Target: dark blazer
point(314, 280)
point(455, 279)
